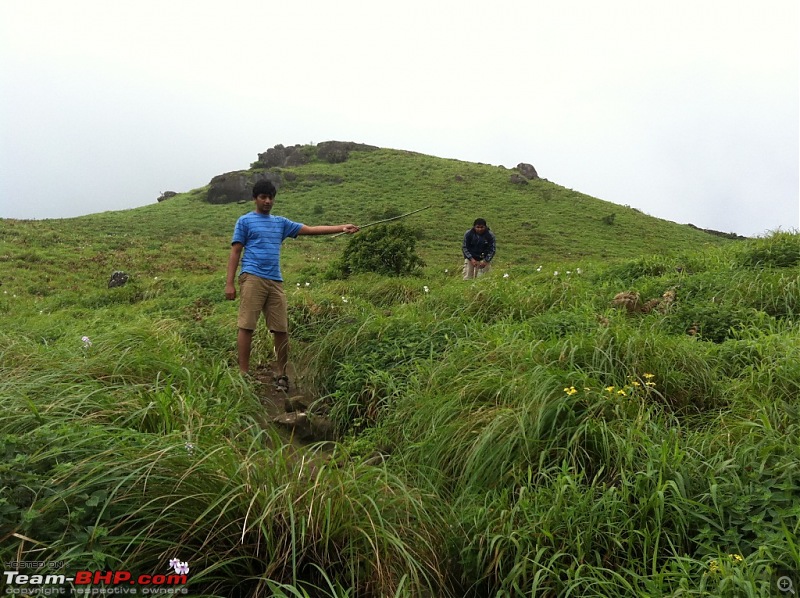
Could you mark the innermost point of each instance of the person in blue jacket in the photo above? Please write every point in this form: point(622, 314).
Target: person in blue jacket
point(478, 248)
point(257, 240)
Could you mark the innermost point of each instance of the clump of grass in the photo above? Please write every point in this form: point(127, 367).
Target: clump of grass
point(780, 249)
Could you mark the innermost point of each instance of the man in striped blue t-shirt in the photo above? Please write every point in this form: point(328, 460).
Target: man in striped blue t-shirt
point(257, 240)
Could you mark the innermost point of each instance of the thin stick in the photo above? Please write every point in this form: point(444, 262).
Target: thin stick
point(386, 220)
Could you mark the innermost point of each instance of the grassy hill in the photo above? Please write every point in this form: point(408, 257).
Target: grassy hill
point(515, 435)
point(536, 223)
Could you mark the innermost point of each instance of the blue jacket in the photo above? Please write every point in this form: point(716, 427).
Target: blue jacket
point(480, 247)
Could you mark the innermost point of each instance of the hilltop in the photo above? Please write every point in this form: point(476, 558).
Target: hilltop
point(535, 219)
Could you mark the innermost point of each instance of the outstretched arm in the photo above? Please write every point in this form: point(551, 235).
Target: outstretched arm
point(328, 230)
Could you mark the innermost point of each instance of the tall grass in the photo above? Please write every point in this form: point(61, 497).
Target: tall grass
point(509, 436)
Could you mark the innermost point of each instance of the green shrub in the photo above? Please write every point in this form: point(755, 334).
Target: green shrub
point(388, 250)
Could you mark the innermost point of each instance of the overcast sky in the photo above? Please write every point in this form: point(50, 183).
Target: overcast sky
point(688, 110)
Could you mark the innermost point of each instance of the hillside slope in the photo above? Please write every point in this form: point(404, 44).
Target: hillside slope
point(536, 223)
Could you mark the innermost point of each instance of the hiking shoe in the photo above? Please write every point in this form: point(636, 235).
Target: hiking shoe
point(282, 383)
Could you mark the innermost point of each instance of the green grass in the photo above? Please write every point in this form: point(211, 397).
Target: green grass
point(502, 437)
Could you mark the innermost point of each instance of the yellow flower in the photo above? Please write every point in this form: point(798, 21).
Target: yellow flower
point(622, 392)
point(570, 390)
point(736, 557)
point(635, 383)
point(713, 566)
point(649, 376)
point(609, 389)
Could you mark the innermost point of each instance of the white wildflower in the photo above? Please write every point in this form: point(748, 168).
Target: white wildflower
point(426, 289)
point(539, 269)
point(505, 275)
point(555, 273)
point(308, 284)
point(344, 299)
point(86, 341)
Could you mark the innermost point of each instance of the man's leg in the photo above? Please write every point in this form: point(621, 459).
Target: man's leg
point(252, 296)
point(281, 351)
point(278, 322)
point(244, 342)
point(469, 270)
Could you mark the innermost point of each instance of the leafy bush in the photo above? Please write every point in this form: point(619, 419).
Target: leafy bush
point(387, 250)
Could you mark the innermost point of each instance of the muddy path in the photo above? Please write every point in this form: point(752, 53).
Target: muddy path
point(288, 413)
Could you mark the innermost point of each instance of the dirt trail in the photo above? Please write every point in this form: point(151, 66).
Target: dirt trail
point(287, 413)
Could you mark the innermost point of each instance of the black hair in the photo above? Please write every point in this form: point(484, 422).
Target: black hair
point(479, 221)
point(266, 187)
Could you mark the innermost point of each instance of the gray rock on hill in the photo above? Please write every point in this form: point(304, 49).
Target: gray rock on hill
point(338, 151)
point(527, 170)
point(333, 152)
point(280, 156)
point(232, 187)
point(166, 195)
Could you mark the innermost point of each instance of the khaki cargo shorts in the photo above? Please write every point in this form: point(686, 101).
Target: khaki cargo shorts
point(259, 295)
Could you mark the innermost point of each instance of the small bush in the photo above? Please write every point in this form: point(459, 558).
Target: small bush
point(387, 250)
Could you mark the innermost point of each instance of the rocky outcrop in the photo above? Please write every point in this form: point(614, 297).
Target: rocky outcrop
point(527, 170)
point(333, 152)
point(233, 187)
point(166, 195)
point(281, 157)
point(338, 151)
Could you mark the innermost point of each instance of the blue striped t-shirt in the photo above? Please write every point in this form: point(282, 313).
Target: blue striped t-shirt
point(262, 236)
